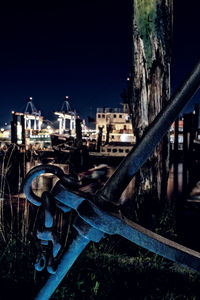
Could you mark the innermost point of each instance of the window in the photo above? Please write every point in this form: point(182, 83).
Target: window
point(127, 150)
point(103, 116)
point(120, 116)
point(114, 116)
point(121, 150)
point(114, 150)
point(108, 150)
point(99, 116)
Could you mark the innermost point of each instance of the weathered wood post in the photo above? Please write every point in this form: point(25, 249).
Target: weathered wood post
point(99, 140)
point(152, 31)
point(176, 140)
point(196, 110)
point(78, 133)
point(189, 132)
point(108, 130)
point(14, 128)
point(186, 127)
point(193, 172)
point(23, 130)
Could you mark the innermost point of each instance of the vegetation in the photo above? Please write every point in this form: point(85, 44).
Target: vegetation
point(112, 269)
point(145, 12)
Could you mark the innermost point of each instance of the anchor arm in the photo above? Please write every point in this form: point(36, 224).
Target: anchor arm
point(114, 223)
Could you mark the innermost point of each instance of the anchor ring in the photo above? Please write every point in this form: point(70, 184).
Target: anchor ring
point(32, 174)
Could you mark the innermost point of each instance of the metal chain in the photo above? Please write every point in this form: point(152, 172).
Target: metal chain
point(48, 246)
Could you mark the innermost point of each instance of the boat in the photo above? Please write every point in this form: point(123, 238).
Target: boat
point(111, 153)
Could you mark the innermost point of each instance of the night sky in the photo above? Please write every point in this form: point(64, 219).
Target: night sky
point(81, 49)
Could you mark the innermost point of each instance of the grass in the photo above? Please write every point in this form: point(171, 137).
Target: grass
point(103, 271)
point(112, 269)
point(100, 274)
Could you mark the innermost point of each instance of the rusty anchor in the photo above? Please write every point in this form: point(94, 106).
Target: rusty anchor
point(100, 214)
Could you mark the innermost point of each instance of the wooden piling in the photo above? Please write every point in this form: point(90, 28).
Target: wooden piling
point(14, 129)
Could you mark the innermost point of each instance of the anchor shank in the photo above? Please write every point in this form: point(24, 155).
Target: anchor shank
point(158, 128)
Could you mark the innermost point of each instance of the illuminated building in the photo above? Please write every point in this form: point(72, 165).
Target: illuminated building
point(116, 123)
point(32, 116)
point(66, 119)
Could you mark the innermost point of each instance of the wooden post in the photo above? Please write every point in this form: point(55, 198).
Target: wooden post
point(193, 129)
point(14, 129)
point(108, 129)
point(23, 130)
point(186, 150)
point(196, 122)
point(176, 156)
point(78, 133)
point(176, 136)
point(152, 30)
point(99, 140)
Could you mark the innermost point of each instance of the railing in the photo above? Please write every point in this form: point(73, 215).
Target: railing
point(109, 110)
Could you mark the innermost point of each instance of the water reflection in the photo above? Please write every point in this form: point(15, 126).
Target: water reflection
point(175, 180)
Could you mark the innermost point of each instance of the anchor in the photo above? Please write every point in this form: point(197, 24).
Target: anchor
point(99, 214)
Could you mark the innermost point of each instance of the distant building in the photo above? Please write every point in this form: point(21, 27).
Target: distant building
point(116, 123)
point(26, 126)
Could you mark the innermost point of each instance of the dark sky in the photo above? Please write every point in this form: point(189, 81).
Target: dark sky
point(81, 49)
point(186, 43)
